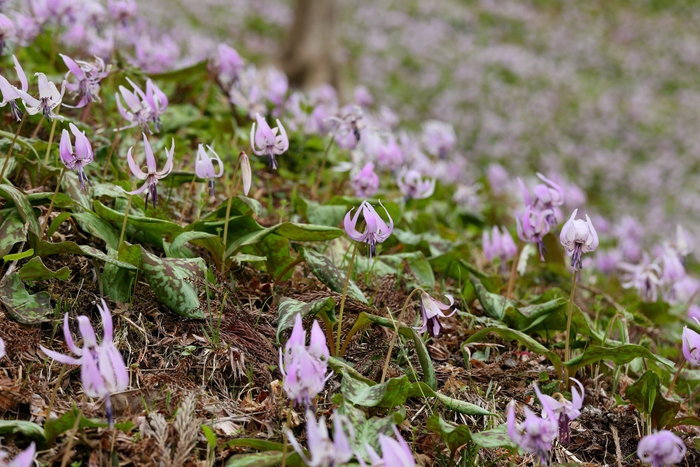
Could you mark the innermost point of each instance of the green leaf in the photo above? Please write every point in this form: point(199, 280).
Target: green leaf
point(388, 394)
point(646, 396)
point(416, 261)
point(276, 251)
point(21, 305)
point(325, 271)
point(35, 270)
point(453, 436)
point(494, 438)
point(65, 423)
point(209, 241)
point(688, 420)
point(620, 355)
point(155, 227)
point(210, 436)
point(98, 227)
point(288, 230)
point(24, 207)
point(71, 187)
point(494, 305)
point(288, 308)
point(523, 318)
point(293, 459)
point(420, 389)
point(523, 339)
point(173, 281)
point(47, 249)
point(56, 223)
point(321, 215)
point(258, 459)
point(339, 365)
point(28, 429)
point(11, 232)
point(117, 282)
point(18, 256)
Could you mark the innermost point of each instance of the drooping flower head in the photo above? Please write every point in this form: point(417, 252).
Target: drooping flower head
point(683, 243)
point(535, 434)
point(390, 156)
point(158, 102)
point(395, 452)
point(49, 97)
point(376, 231)
point(325, 452)
point(413, 186)
point(533, 226)
point(439, 138)
point(366, 181)
point(431, 311)
point(266, 142)
point(87, 79)
point(645, 277)
point(499, 245)
point(304, 368)
point(547, 195)
point(578, 237)
point(80, 157)
point(102, 367)
point(204, 166)
point(660, 449)
point(566, 410)
point(122, 10)
point(10, 93)
point(23, 459)
point(227, 64)
point(139, 112)
point(153, 174)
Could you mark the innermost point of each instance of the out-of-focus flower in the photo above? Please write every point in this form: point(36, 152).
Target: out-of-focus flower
point(122, 10)
point(661, 449)
point(23, 459)
point(204, 166)
point(685, 289)
point(608, 260)
point(304, 368)
point(87, 79)
point(389, 154)
point(227, 64)
point(7, 31)
point(266, 142)
point(628, 232)
point(413, 186)
point(363, 97)
point(28, 27)
point(78, 159)
point(567, 410)
point(533, 227)
point(246, 173)
point(536, 434)
point(684, 243)
point(153, 175)
point(643, 276)
point(2, 348)
point(578, 237)
point(324, 451)
point(395, 452)
point(102, 367)
point(347, 131)
point(548, 195)
point(49, 97)
point(10, 93)
point(498, 178)
point(691, 345)
point(139, 113)
point(376, 230)
point(439, 138)
point(275, 84)
point(694, 311)
point(158, 102)
point(673, 270)
point(499, 245)
point(431, 311)
point(366, 181)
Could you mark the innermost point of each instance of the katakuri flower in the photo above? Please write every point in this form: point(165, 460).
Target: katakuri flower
point(139, 112)
point(547, 195)
point(691, 345)
point(122, 10)
point(87, 79)
point(395, 452)
point(413, 186)
point(366, 181)
point(439, 138)
point(2, 348)
point(10, 93)
point(535, 434)
point(304, 368)
point(153, 175)
point(567, 410)
point(246, 172)
point(204, 166)
point(102, 368)
point(266, 142)
point(227, 64)
point(157, 100)
point(324, 451)
point(499, 245)
point(660, 449)
point(533, 227)
point(431, 311)
point(80, 157)
point(23, 459)
point(376, 231)
point(643, 276)
point(49, 97)
point(578, 237)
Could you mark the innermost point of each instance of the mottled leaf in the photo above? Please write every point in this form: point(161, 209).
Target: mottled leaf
point(420, 389)
point(11, 232)
point(156, 227)
point(22, 306)
point(28, 429)
point(209, 241)
point(388, 394)
point(47, 249)
point(290, 231)
point(323, 268)
point(494, 438)
point(258, 459)
point(647, 397)
point(35, 270)
point(287, 309)
point(24, 208)
point(494, 305)
point(619, 355)
point(454, 436)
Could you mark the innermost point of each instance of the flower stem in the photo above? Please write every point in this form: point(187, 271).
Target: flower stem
point(38, 127)
point(396, 333)
point(231, 194)
point(115, 141)
point(53, 131)
point(126, 217)
point(53, 200)
point(342, 301)
point(187, 198)
point(55, 391)
point(285, 445)
point(12, 146)
point(514, 270)
point(570, 314)
point(322, 168)
point(675, 378)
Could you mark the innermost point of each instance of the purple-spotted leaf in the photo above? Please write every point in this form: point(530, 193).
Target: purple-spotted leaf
point(22, 306)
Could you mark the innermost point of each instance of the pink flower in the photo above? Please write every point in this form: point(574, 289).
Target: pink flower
point(533, 226)
point(395, 452)
point(366, 181)
point(376, 230)
point(578, 237)
point(431, 310)
point(49, 97)
point(413, 186)
point(10, 93)
point(153, 175)
point(536, 434)
point(204, 166)
point(23, 459)
point(78, 159)
point(660, 449)
point(266, 142)
point(87, 79)
point(324, 451)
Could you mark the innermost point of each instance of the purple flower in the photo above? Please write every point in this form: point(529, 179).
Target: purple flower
point(227, 64)
point(49, 97)
point(363, 97)
point(324, 451)
point(366, 181)
point(547, 195)
point(389, 154)
point(23, 459)
point(535, 434)
point(2, 348)
point(660, 449)
point(153, 175)
point(102, 367)
point(78, 159)
point(10, 93)
point(7, 31)
point(578, 237)
point(533, 227)
point(499, 245)
point(691, 345)
point(304, 368)
point(276, 85)
point(139, 112)
point(567, 410)
point(266, 142)
point(204, 166)
point(395, 452)
point(87, 79)
point(413, 186)
point(376, 230)
point(439, 138)
point(643, 276)
point(431, 310)
point(157, 100)
point(122, 10)
point(684, 242)
point(608, 260)
point(347, 132)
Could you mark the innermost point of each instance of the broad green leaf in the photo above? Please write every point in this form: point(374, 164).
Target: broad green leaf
point(56, 223)
point(323, 268)
point(620, 355)
point(155, 227)
point(35, 270)
point(293, 459)
point(24, 208)
point(174, 282)
point(316, 213)
point(20, 255)
point(209, 435)
point(29, 429)
point(420, 389)
point(646, 396)
point(98, 227)
point(494, 305)
point(416, 261)
point(494, 438)
point(71, 187)
point(339, 365)
point(118, 283)
point(688, 420)
point(288, 308)
point(209, 241)
point(22, 306)
point(454, 436)
point(523, 339)
point(276, 251)
point(388, 394)
point(47, 249)
point(240, 206)
point(11, 233)
point(524, 317)
point(453, 265)
point(62, 201)
point(290, 231)
point(258, 459)
point(63, 424)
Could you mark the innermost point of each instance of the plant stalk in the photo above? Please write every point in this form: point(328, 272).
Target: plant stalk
point(322, 168)
point(53, 131)
point(342, 301)
point(514, 270)
point(38, 127)
point(12, 146)
point(115, 141)
point(396, 333)
point(567, 350)
point(53, 200)
point(675, 378)
point(126, 217)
